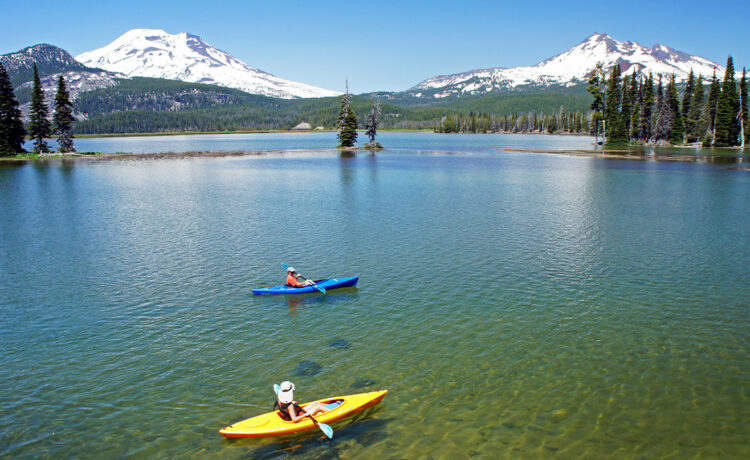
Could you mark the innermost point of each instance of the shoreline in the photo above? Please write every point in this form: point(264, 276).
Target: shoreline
point(635, 155)
point(104, 156)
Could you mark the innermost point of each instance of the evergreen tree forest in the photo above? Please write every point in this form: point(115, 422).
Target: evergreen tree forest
point(636, 110)
point(140, 105)
point(623, 108)
point(559, 122)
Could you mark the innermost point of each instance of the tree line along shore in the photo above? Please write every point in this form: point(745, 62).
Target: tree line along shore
point(636, 109)
point(39, 127)
point(632, 109)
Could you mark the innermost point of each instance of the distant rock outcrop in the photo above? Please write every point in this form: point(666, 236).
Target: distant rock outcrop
point(303, 125)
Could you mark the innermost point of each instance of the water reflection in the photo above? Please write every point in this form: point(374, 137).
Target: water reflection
point(361, 432)
point(67, 165)
point(697, 155)
point(5, 163)
point(305, 300)
point(347, 165)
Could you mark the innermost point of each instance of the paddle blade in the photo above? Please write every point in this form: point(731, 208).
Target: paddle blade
point(320, 288)
point(276, 388)
point(327, 430)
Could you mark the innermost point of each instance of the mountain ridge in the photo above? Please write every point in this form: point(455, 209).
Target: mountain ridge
point(571, 67)
point(186, 57)
point(49, 59)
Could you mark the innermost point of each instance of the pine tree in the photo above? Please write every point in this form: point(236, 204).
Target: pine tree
point(625, 108)
point(347, 123)
point(371, 124)
point(694, 129)
point(12, 133)
point(647, 110)
point(663, 122)
point(687, 96)
point(39, 125)
point(63, 117)
point(744, 134)
point(636, 92)
point(677, 131)
point(709, 111)
point(344, 109)
point(727, 126)
point(616, 134)
point(596, 82)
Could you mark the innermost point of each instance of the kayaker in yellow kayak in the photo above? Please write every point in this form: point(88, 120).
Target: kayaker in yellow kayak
point(291, 279)
point(286, 404)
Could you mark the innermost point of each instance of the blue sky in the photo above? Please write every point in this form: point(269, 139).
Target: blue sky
point(386, 45)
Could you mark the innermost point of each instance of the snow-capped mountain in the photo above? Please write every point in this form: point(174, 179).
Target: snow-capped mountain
point(574, 66)
point(158, 54)
point(48, 59)
point(51, 62)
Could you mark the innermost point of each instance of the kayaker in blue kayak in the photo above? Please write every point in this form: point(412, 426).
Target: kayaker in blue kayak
point(290, 409)
point(291, 279)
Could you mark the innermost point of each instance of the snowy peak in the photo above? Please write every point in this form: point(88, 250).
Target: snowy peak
point(48, 59)
point(52, 62)
point(186, 57)
point(573, 66)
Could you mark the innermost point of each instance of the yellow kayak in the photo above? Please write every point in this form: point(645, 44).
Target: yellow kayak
point(271, 424)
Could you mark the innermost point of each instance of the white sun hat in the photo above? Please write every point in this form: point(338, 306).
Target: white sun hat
point(286, 392)
point(291, 269)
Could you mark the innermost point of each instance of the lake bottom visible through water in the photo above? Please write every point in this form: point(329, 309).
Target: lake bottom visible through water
point(515, 305)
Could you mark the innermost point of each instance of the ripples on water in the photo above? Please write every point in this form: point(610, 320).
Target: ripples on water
point(516, 305)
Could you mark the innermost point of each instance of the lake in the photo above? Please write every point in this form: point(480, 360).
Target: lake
point(515, 305)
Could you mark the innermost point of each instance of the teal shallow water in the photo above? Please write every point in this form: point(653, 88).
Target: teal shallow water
point(515, 305)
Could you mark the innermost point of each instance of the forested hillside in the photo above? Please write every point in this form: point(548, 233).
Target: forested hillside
point(155, 105)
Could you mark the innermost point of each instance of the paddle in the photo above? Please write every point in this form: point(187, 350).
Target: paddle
point(319, 288)
point(327, 430)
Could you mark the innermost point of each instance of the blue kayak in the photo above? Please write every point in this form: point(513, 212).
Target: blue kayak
point(328, 283)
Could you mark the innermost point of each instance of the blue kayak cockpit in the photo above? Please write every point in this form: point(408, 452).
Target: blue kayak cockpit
point(328, 283)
